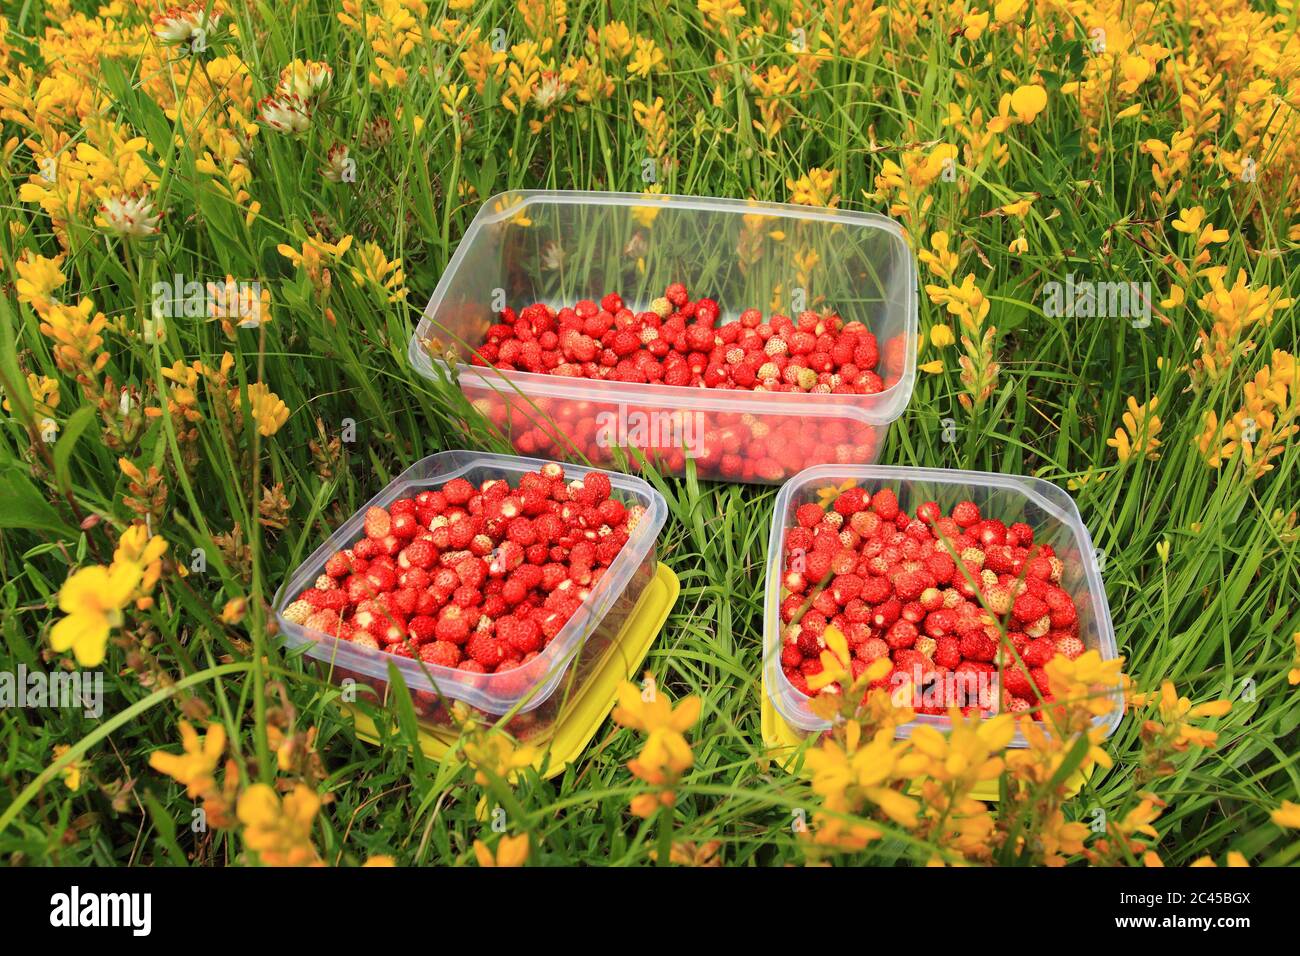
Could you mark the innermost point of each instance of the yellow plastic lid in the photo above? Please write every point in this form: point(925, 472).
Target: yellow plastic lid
point(584, 712)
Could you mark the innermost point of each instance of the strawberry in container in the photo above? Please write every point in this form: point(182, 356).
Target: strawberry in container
point(966, 583)
point(495, 581)
point(752, 340)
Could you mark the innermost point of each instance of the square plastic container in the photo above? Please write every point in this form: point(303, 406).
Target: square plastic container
point(529, 696)
point(562, 247)
point(1047, 509)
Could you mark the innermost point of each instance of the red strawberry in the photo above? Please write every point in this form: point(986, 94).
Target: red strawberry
point(966, 514)
point(441, 653)
point(978, 646)
point(485, 649)
point(1027, 607)
point(521, 634)
point(885, 504)
point(458, 491)
point(1039, 651)
point(595, 487)
point(418, 554)
point(421, 628)
point(809, 515)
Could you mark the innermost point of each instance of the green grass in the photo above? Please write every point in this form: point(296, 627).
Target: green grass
point(1216, 618)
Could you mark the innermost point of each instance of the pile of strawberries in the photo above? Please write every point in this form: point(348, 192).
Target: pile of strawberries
point(932, 592)
point(677, 342)
point(475, 578)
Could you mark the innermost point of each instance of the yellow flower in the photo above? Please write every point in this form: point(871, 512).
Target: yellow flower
point(197, 762)
point(666, 752)
point(511, 851)
point(268, 410)
point(378, 271)
point(1138, 436)
point(814, 188)
point(721, 12)
point(93, 598)
point(974, 25)
point(44, 392)
point(939, 259)
point(72, 772)
point(1004, 11)
point(646, 58)
point(933, 367)
point(1018, 245)
point(279, 831)
point(383, 860)
point(38, 278)
point(1136, 69)
point(138, 547)
point(1017, 208)
point(1028, 101)
point(1287, 815)
point(316, 255)
point(495, 755)
point(1294, 676)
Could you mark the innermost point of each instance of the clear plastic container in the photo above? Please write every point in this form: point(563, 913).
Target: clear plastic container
point(1050, 511)
point(561, 247)
point(528, 694)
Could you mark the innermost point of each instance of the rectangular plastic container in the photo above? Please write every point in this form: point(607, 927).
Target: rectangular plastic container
point(561, 247)
point(531, 694)
point(1050, 511)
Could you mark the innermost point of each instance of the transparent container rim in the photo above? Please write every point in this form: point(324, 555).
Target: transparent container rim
point(449, 681)
point(1036, 490)
point(886, 405)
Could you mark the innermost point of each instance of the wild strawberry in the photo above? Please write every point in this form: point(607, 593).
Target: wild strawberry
point(458, 491)
point(947, 651)
point(1026, 607)
point(297, 612)
point(1039, 651)
point(520, 634)
point(364, 639)
point(976, 645)
point(966, 514)
point(421, 628)
point(910, 585)
point(378, 524)
point(1016, 681)
point(440, 653)
point(885, 504)
point(817, 566)
point(488, 651)
point(1070, 646)
point(596, 487)
point(901, 634)
point(452, 628)
point(420, 553)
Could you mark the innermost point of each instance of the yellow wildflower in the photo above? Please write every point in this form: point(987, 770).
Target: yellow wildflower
point(72, 772)
point(196, 765)
point(93, 598)
point(512, 851)
point(1138, 436)
point(278, 831)
point(815, 188)
point(1287, 815)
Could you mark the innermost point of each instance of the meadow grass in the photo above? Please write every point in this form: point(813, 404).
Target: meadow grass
point(1215, 613)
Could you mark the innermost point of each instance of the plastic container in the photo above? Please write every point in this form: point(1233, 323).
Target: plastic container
point(529, 695)
point(561, 247)
point(1050, 511)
